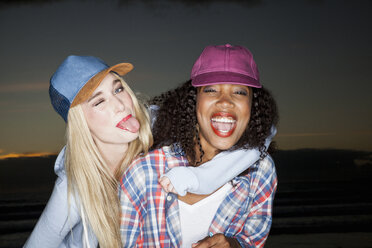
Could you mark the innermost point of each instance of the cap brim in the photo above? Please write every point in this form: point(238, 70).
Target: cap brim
point(88, 89)
point(224, 77)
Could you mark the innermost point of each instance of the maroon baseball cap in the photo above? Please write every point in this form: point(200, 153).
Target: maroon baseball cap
point(225, 64)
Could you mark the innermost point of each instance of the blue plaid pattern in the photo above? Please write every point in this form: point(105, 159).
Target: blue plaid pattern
point(150, 217)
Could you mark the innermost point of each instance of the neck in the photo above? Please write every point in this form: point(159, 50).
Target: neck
point(113, 154)
point(208, 153)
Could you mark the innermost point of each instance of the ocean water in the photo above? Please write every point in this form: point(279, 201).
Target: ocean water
point(300, 212)
point(19, 213)
point(311, 209)
point(321, 240)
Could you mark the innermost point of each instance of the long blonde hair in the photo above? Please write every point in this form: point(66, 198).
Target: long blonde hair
point(89, 178)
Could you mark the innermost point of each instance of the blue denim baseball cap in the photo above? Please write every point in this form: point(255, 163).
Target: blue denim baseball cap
point(76, 79)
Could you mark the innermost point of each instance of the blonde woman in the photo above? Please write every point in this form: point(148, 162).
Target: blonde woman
point(106, 129)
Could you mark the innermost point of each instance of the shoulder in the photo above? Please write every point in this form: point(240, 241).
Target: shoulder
point(159, 160)
point(145, 169)
point(175, 156)
point(261, 173)
point(59, 165)
point(267, 166)
point(265, 178)
point(154, 159)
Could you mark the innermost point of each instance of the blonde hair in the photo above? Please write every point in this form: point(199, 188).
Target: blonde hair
point(89, 178)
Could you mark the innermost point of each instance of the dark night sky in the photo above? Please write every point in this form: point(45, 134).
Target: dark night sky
point(315, 56)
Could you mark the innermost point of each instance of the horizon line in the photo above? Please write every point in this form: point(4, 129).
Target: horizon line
point(26, 155)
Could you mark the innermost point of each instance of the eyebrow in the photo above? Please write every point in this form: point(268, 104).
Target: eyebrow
point(100, 92)
point(116, 81)
point(95, 95)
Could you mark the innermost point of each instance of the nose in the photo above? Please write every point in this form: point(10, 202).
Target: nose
point(117, 104)
point(225, 101)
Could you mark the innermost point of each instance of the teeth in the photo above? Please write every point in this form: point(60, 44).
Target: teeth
point(223, 119)
point(222, 131)
point(223, 124)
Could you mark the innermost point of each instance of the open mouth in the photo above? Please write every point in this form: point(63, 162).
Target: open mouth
point(223, 124)
point(129, 123)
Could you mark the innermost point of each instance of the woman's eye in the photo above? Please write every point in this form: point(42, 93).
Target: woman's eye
point(241, 92)
point(119, 89)
point(208, 89)
point(98, 102)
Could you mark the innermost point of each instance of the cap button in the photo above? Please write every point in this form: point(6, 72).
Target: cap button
point(228, 45)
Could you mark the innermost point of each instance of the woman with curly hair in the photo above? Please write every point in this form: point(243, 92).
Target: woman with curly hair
point(223, 108)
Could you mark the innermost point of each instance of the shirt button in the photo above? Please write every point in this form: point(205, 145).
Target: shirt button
point(169, 198)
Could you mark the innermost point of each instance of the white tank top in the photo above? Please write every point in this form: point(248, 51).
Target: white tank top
point(196, 218)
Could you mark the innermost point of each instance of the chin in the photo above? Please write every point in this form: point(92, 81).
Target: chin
point(223, 145)
point(134, 136)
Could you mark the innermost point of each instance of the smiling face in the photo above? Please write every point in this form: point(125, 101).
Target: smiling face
point(223, 112)
point(110, 115)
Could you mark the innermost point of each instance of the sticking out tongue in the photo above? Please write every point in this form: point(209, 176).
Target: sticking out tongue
point(129, 123)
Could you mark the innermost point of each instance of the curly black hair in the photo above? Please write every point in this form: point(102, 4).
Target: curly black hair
point(176, 121)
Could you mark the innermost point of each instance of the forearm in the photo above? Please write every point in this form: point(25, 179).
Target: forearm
point(211, 175)
point(208, 177)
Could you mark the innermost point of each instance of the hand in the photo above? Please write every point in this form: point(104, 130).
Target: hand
point(167, 185)
point(217, 241)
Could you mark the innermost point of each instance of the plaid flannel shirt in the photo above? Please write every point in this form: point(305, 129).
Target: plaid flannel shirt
point(150, 217)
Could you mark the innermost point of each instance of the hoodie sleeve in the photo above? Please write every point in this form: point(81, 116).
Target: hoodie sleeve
point(211, 175)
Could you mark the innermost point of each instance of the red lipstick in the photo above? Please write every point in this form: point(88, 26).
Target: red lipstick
point(129, 123)
point(223, 124)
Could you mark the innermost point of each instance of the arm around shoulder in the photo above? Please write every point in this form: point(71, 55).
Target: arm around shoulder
point(211, 175)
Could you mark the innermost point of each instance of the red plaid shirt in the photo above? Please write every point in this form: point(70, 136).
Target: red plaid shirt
point(150, 217)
